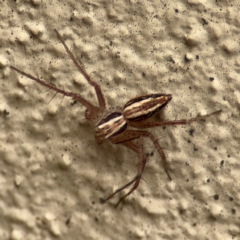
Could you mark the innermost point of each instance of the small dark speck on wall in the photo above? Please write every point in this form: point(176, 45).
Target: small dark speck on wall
point(216, 197)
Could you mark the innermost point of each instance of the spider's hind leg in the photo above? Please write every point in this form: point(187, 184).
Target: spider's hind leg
point(171, 123)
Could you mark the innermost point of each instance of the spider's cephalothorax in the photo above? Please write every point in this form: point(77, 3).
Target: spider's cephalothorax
point(110, 125)
point(114, 125)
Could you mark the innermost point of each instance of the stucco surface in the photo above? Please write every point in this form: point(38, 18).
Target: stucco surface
point(53, 173)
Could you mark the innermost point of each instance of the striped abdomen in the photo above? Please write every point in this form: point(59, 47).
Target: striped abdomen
point(143, 107)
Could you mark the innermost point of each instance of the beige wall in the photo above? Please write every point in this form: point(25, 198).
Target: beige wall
point(52, 173)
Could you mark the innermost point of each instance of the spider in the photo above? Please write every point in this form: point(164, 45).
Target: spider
point(114, 125)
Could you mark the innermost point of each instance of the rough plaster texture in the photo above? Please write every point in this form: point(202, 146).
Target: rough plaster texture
point(52, 172)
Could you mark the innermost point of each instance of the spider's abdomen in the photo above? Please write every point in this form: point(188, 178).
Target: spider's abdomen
point(143, 107)
point(110, 125)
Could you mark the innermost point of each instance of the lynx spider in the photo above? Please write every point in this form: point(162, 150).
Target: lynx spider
point(113, 125)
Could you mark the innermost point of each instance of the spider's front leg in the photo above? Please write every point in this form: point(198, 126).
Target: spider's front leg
point(129, 135)
point(89, 106)
point(97, 88)
point(125, 139)
point(136, 180)
point(91, 110)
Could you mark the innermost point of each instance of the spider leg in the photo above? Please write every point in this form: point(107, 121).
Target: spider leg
point(141, 166)
point(137, 178)
point(90, 107)
point(97, 88)
point(125, 139)
point(170, 123)
point(133, 134)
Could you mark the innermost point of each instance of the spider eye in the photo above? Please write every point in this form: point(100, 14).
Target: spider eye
point(110, 125)
point(143, 107)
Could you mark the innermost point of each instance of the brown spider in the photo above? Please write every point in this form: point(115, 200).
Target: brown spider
point(114, 125)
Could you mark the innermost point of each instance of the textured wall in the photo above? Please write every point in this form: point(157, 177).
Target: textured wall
point(52, 172)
